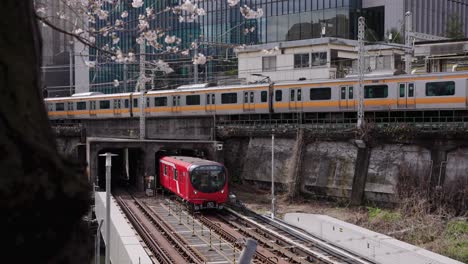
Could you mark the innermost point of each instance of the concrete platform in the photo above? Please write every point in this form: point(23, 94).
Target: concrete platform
point(371, 245)
point(125, 245)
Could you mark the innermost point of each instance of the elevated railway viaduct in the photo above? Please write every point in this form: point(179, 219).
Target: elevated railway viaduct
point(324, 159)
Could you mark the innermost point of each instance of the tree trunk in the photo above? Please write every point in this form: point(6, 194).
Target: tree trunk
point(43, 197)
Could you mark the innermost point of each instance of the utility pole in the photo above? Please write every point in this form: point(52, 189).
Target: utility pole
point(273, 174)
point(195, 66)
point(70, 51)
point(125, 70)
point(361, 65)
point(408, 40)
point(108, 156)
point(142, 89)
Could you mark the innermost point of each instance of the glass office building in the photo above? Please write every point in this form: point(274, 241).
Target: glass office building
point(221, 28)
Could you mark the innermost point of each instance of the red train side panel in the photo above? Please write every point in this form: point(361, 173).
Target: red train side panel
point(200, 182)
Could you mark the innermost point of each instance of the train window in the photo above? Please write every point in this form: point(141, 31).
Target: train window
point(323, 93)
point(229, 98)
point(69, 106)
point(278, 96)
point(135, 102)
point(208, 178)
point(59, 106)
point(350, 92)
point(213, 100)
point(402, 90)
point(147, 102)
point(299, 95)
point(440, 88)
point(264, 96)
point(246, 97)
point(165, 170)
point(175, 174)
point(343, 93)
point(192, 99)
point(375, 91)
point(104, 104)
point(160, 101)
point(251, 97)
point(208, 99)
point(81, 106)
point(411, 90)
point(292, 95)
point(126, 103)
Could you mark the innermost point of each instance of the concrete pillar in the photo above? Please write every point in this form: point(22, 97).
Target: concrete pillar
point(360, 176)
point(295, 174)
point(439, 161)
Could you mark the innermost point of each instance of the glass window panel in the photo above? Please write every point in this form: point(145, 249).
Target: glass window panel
point(350, 92)
point(402, 90)
point(375, 91)
point(59, 106)
point(264, 96)
point(306, 25)
point(160, 101)
point(278, 95)
point(104, 104)
point(322, 93)
point(343, 93)
point(411, 90)
point(192, 99)
point(440, 88)
point(81, 106)
point(291, 98)
point(229, 98)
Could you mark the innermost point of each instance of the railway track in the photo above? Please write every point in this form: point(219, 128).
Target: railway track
point(177, 235)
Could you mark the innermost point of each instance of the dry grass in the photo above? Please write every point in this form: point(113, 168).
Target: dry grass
point(416, 221)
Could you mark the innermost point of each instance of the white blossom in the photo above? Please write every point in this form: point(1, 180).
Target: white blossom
point(172, 49)
point(163, 66)
point(149, 11)
point(41, 10)
point(119, 23)
point(270, 51)
point(90, 64)
point(140, 40)
point(249, 13)
point(199, 59)
point(194, 45)
point(116, 83)
point(115, 40)
point(92, 40)
point(143, 24)
point(124, 14)
point(150, 35)
point(137, 3)
point(78, 31)
point(102, 14)
point(232, 2)
point(185, 52)
point(170, 39)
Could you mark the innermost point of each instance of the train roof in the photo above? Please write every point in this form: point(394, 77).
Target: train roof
point(188, 161)
point(204, 87)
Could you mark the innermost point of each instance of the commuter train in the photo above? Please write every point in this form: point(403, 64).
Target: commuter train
point(201, 183)
point(434, 91)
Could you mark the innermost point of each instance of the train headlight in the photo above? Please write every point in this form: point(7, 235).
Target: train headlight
point(222, 191)
point(195, 192)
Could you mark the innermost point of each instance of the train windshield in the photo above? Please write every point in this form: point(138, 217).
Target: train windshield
point(208, 179)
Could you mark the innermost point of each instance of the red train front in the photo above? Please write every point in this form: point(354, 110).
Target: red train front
point(200, 182)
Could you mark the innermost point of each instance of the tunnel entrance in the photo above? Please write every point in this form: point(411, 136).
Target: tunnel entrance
point(126, 167)
point(198, 153)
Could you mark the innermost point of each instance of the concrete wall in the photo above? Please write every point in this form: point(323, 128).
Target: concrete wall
point(125, 246)
point(328, 168)
point(371, 245)
point(390, 161)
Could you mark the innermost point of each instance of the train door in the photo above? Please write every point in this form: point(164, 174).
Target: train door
point(117, 106)
point(70, 108)
point(406, 98)
point(347, 97)
point(175, 174)
point(295, 99)
point(249, 101)
point(92, 108)
point(175, 103)
point(210, 103)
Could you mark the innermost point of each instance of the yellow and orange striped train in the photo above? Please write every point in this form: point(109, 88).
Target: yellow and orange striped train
point(434, 91)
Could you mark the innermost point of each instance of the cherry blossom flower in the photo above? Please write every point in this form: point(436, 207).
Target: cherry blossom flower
point(78, 31)
point(124, 14)
point(249, 13)
point(116, 83)
point(232, 2)
point(199, 59)
point(102, 14)
point(41, 10)
point(90, 64)
point(137, 3)
point(185, 52)
point(170, 39)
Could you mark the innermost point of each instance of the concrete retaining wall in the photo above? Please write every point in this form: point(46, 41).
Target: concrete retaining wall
point(371, 245)
point(125, 246)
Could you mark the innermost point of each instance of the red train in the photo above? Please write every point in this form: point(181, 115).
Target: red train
point(201, 183)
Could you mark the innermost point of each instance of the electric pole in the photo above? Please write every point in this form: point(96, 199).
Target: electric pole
point(408, 41)
point(142, 89)
point(361, 65)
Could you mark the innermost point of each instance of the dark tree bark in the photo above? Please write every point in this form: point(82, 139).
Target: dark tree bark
point(43, 197)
